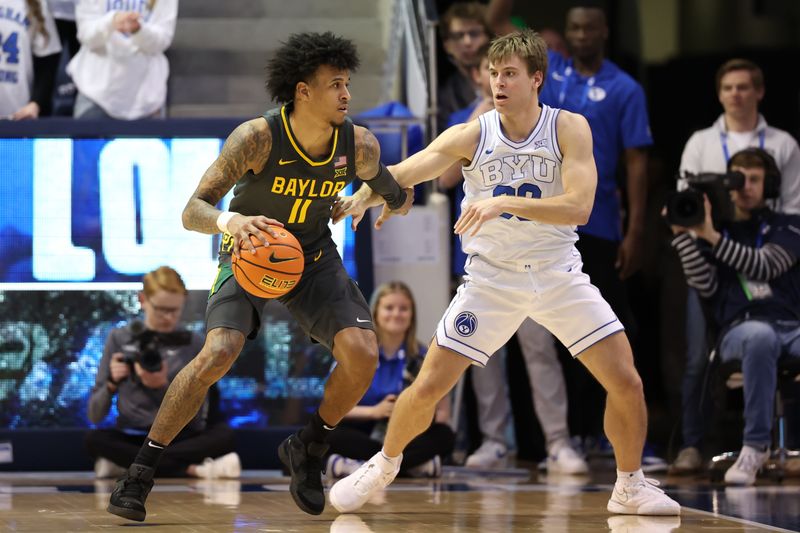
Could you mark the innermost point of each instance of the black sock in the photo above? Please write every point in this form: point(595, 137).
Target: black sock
point(150, 453)
point(316, 430)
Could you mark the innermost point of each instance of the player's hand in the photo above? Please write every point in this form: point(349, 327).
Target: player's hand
point(118, 368)
point(384, 409)
point(345, 206)
point(241, 227)
point(403, 210)
point(477, 213)
point(629, 255)
point(152, 380)
point(27, 112)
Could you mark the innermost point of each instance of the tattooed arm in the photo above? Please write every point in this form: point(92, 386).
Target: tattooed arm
point(247, 148)
point(382, 185)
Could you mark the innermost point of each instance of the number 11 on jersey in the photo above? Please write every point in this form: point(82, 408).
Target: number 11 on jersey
point(299, 210)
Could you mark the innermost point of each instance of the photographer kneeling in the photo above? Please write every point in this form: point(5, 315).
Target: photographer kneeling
point(139, 361)
point(747, 271)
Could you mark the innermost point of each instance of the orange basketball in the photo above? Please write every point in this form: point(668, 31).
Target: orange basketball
point(273, 270)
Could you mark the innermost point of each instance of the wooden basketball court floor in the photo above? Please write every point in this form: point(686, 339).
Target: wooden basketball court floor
point(459, 501)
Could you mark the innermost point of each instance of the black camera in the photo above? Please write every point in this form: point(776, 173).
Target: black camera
point(686, 208)
point(146, 345)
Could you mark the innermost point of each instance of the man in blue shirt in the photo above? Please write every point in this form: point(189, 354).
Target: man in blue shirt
point(615, 106)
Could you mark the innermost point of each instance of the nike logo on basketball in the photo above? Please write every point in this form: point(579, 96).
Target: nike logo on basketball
point(360, 320)
point(274, 259)
point(150, 443)
point(281, 162)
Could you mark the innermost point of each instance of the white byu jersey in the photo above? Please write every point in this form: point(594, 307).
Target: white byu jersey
point(530, 168)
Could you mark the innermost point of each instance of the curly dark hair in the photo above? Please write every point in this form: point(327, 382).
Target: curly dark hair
point(299, 58)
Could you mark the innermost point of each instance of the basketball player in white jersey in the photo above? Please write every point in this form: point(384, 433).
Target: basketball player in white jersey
point(529, 178)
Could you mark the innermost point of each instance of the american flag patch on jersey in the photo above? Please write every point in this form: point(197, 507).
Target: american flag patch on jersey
point(340, 161)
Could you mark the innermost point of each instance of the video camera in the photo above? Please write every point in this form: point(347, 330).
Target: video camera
point(145, 348)
point(686, 208)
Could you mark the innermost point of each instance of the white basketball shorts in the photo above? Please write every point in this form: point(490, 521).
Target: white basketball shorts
point(492, 303)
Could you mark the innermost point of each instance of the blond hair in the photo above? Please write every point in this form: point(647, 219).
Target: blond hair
point(525, 44)
point(411, 342)
point(163, 278)
point(35, 12)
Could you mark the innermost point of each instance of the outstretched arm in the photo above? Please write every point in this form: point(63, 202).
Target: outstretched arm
point(578, 176)
point(375, 174)
point(454, 144)
point(247, 148)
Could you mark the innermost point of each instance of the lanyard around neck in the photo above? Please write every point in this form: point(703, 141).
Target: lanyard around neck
point(723, 139)
point(569, 73)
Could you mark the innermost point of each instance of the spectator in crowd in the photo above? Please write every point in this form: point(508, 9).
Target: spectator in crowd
point(29, 53)
point(139, 361)
point(615, 106)
point(64, 94)
point(464, 30)
point(121, 70)
point(536, 343)
point(740, 88)
point(747, 270)
point(360, 435)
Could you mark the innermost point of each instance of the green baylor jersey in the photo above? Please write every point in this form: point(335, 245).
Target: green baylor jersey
point(294, 188)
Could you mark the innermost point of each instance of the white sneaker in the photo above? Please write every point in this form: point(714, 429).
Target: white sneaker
point(105, 469)
point(566, 461)
point(643, 524)
point(747, 465)
point(642, 497)
point(227, 466)
point(491, 454)
point(431, 468)
point(339, 466)
point(351, 493)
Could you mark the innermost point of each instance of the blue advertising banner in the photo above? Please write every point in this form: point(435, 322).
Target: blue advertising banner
point(99, 213)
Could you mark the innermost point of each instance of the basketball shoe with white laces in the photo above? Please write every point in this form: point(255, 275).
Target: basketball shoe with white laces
point(351, 493)
point(641, 497)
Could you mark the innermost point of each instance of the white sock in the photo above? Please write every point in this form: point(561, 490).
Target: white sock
point(629, 478)
point(394, 461)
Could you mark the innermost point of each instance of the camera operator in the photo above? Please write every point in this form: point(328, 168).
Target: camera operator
point(139, 361)
point(747, 271)
point(740, 87)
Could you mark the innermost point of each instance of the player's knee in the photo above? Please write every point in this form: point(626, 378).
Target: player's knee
point(427, 391)
point(627, 382)
point(358, 354)
point(217, 356)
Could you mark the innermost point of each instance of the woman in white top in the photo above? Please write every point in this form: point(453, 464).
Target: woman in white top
point(121, 70)
point(29, 51)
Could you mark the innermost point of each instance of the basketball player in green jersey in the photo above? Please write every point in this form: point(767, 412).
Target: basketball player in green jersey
point(288, 167)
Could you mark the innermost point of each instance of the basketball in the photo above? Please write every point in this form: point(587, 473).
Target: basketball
point(273, 270)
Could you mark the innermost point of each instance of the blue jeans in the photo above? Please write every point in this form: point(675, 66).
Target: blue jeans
point(759, 345)
point(695, 415)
